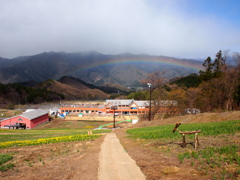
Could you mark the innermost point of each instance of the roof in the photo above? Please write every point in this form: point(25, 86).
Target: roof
point(127, 102)
point(34, 114)
point(30, 114)
point(142, 103)
point(119, 101)
point(54, 109)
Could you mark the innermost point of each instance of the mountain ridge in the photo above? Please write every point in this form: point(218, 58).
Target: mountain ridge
point(93, 67)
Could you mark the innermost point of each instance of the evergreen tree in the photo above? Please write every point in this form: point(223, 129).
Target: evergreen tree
point(213, 69)
point(219, 65)
point(208, 73)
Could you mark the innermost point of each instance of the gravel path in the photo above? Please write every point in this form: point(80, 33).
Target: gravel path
point(115, 163)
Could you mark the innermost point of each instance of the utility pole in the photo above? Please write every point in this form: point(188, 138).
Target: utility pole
point(150, 105)
point(114, 122)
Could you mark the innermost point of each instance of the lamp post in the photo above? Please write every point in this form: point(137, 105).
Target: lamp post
point(114, 122)
point(150, 106)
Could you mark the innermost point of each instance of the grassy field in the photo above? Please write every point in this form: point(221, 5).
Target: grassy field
point(56, 131)
point(55, 128)
point(21, 135)
point(207, 129)
point(156, 149)
point(217, 157)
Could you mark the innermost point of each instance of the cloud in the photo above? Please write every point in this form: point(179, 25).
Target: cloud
point(137, 26)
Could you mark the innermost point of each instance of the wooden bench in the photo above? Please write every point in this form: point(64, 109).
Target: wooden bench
point(184, 144)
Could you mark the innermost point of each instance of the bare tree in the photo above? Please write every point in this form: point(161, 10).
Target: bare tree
point(192, 97)
point(157, 81)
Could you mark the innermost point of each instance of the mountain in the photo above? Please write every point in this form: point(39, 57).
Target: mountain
point(93, 67)
point(73, 89)
point(81, 85)
point(48, 91)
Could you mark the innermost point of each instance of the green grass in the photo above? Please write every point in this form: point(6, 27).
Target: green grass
point(6, 167)
point(78, 137)
point(21, 135)
point(207, 129)
point(3, 159)
point(216, 157)
point(206, 160)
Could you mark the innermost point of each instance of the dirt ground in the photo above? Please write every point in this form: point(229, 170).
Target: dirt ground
point(73, 161)
point(156, 159)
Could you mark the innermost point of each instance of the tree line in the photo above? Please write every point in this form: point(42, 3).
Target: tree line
point(12, 94)
point(216, 88)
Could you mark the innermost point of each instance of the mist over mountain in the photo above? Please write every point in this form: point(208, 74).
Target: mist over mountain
point(93, 67)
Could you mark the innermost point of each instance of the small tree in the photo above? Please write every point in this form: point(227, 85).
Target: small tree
point(191, 96)
point(208, 73)
point(178, 94)
point(213, 69)
point(157, 81)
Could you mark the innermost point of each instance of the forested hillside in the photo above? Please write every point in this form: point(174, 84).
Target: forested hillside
point(216, 88)
point(49, 91)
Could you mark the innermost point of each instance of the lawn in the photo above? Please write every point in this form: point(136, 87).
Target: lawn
point(217, 157)
point(21, 135)
point(207, 129)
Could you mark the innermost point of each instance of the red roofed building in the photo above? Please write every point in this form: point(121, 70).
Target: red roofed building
point(26, 120)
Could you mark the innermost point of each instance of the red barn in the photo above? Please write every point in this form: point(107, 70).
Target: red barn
point(27, 120)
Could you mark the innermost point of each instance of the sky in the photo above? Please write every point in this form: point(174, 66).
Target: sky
point(176, 28)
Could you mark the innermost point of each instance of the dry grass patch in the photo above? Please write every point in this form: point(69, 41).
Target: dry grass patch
point(55, 161)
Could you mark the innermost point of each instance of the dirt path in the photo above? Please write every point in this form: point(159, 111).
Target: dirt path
point(115, 163)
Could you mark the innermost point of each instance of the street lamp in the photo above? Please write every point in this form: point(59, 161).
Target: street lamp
point(150, 106)
point(114, 122)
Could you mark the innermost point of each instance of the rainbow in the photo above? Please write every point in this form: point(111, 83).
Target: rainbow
point(144, 59)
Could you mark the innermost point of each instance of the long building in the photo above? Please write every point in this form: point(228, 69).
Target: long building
point(26, 120)
point(120, 106)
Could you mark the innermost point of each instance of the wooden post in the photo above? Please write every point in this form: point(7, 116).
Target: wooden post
point(184, 140)
point(196, 140)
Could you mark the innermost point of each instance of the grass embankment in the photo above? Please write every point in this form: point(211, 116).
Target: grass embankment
point(9, 113)
point(220, 156)
point(207, 129)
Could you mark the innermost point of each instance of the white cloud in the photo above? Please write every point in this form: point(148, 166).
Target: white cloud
point(30, 27)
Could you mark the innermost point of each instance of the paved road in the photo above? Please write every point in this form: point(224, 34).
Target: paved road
point(115, 163)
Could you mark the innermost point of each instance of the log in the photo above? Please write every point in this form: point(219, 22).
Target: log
point(190, 132)
point(176, 126)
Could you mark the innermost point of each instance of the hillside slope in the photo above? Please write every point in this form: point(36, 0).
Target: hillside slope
point(198, 118)
point(73, 92)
